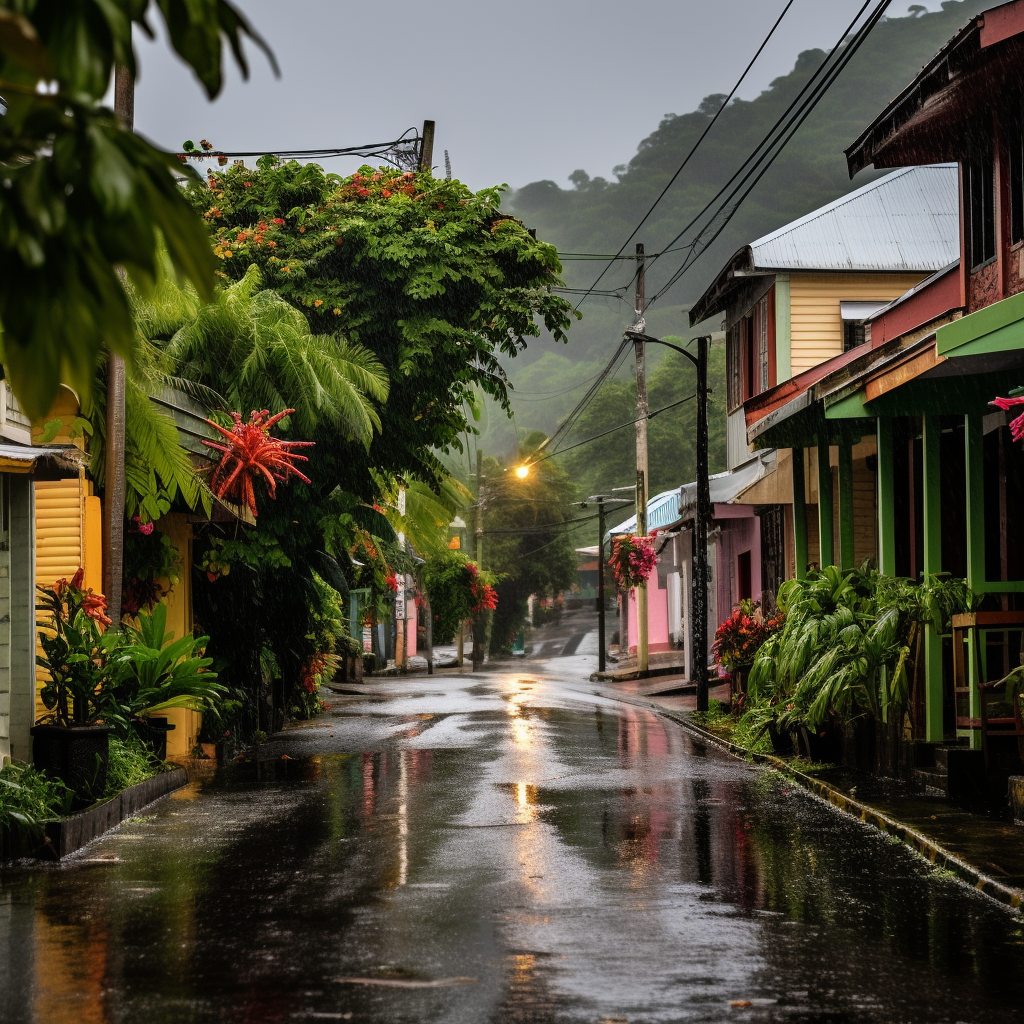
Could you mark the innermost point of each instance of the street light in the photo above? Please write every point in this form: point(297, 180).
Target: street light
point(523, 471)
point(699, 603)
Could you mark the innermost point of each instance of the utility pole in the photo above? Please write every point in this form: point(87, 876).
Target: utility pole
point(642, 657)
point(113, 519)
point(427, 147)
point(600, 585)
point(478, 619)
point(699, 622)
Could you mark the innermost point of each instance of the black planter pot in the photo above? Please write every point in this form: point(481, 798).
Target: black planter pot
point(78, 756)
point(156, 730)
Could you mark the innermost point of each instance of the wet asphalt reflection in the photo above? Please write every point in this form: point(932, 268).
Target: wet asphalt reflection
point(502, 848)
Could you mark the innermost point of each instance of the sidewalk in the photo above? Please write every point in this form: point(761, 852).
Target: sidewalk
point(983, 850)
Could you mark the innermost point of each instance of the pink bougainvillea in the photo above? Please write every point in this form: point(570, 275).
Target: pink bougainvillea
point(633, 560)
point(1017, 425)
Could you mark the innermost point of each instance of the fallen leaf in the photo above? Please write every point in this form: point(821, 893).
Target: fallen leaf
point(739, 1004)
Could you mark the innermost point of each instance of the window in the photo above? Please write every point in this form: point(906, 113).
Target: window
point(1015, 149)
point(762, 345)
point(979, 199)
point(853, 334)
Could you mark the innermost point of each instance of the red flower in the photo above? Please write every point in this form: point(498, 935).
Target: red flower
point(78, 579)
point(252, 452)
point(248, 184)
point(1017, 425)
point(95, 606)
point(279, 221)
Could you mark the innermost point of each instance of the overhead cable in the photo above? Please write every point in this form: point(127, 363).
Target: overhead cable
point(693, 149)
point(773, 143)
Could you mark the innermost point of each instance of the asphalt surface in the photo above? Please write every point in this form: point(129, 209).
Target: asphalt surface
point(515, 846)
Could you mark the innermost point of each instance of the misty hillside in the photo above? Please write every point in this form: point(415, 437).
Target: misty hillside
point(592, 215)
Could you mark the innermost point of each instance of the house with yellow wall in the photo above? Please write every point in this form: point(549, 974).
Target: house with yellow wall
point(792, 301)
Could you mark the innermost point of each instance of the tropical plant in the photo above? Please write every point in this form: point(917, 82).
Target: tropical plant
point(150, 558)
point(152, 673)
point(75, 653)
point(847, 637)
point(129, 762)
point(29, 798)
point(85, 198)
point(739, 637)
point(253, 454)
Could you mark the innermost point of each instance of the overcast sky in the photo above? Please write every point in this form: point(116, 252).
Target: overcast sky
point(521, 90)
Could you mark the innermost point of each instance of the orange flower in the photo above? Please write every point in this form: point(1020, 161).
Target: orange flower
point(95, 606)
point(318, 303)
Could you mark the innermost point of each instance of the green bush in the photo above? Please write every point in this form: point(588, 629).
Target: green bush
point(131, 762)
point(847, 638)
point(29, 798)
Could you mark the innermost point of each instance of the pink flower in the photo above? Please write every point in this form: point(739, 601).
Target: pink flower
point(146, 528)
point(1017, 425)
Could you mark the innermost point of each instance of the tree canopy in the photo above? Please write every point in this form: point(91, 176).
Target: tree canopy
point(83, 197)
point(430, 277)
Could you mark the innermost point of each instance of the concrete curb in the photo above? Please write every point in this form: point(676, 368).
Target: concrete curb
point(931, 851)
point(72, 833)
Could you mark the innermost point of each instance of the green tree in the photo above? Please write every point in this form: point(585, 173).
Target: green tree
point(83, 198)
point(527, 535)
point(430, 277)
point(610, 461)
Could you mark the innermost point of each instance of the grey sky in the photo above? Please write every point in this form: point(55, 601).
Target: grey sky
point(520, 91)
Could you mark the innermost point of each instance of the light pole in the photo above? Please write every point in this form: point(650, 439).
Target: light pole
point(702, 515)
point(599, 500)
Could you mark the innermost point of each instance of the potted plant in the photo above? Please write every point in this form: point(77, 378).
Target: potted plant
point(70, 742)
point(151, 673)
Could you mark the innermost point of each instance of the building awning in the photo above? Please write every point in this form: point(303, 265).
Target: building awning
point(43, 462)
point(857, 311)
point(662, 511)
point(726, 488)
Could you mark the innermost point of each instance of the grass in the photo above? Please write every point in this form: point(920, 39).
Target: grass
point(29, 798)
point(131, 762)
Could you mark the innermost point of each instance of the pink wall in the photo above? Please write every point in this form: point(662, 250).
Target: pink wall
point(657, 617)
point(410, 632)
point(740, 532)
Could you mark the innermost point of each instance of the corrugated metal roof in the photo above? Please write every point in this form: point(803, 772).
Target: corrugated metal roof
point(908, 220)
point(662, 510)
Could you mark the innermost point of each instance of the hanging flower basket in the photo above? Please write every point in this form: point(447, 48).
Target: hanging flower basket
point(633, 560)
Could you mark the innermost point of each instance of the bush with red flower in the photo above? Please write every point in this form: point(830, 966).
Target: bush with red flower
point(633, 560)
point(75, 651)
point(458, 590)
point(740, 637)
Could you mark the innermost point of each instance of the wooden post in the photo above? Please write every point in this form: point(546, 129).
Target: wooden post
point(799, 514)
point(846, 556)
point(703, 514)
point(826, 545)
point(642, 657)
point(974, 466)
point(601, 644)
point(886, 500)
point(427, 147)
point(114, 442)
point(932, 495)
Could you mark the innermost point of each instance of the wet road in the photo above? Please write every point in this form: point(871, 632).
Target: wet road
point(500, 848)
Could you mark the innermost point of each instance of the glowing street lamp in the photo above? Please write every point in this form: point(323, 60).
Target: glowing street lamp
point(523, 471)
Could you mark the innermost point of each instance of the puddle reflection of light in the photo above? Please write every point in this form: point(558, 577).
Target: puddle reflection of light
point(403, 818)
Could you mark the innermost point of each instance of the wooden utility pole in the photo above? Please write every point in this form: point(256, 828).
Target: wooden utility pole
point(427, 147)
point(642, 656)
point(699, 620)
point(113, 490)
point(479, 622)
point(601, 646)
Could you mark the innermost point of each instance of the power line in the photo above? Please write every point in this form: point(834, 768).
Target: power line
point(402, 152)
point(772, 145)
point(693, 149)
point(611, 430)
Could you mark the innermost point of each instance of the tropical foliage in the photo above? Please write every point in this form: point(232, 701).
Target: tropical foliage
point(844, 648)
point(456, 589)
point(85, 198)
point(430, 277)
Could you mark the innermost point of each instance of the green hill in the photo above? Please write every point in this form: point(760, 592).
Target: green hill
point(592, 215)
